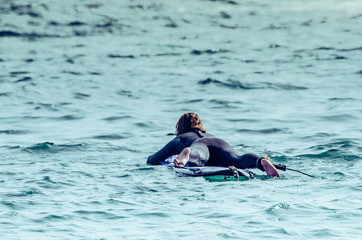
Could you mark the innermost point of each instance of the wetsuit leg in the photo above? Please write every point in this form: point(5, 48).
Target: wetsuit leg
point(199, 154)
point(220, 153)
point(248, 160)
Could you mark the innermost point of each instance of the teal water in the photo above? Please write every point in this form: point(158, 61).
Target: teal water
point(89, 89)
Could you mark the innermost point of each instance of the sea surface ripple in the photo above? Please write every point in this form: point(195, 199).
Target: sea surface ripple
point(89, 89)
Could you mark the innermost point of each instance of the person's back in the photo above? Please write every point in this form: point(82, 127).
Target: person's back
point(189, 128)
point(176, 145)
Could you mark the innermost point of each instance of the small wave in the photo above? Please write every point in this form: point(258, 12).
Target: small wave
point(318, 135)
point(330, 49)
point(350, 49)
point(339, 174)
point(73, 73)
point(14, 132)
point(234, 84)
point(49, 147)
point(105, 25)
point(344, 143)
point(243, 120)
point(340, 149)
point(15, 73)
point(21, 10)
point(95, 73)
point(32, 35)
point(224, 103)
point(82, 29)
point(208, 51)
point(143, 125)
point(123, 175)
point(12, 147)
point(339, 118)
point(9, 34)
point(4, 94)
point(229, 26)
point(109, 137)
point(24, 79)
point(142, 169)
point(324, 48)
point(225, 15)
point(340, 57)
point(192, 101)
point(332, 154)
point(154, 215)
point(120, 56)
point(11, 204)
point(81, 95)
point(225, 1)
point(92, 214)
point(76, 23)
point(171, 25)
point(116, 118)
point(285, 87)
point(274, 45)
point(334, 57)
point(24, 193)
point(276, 208)
point(48, 179)
point(275, 27)
point(263, 131)
point(48, 106)
point(93, 5)
point(277, 157)
point(68, 118)
point(72, 59)
point(124, 93)
point(342, 99)
point(167, 54)
point(41, 146)
point(54, 217)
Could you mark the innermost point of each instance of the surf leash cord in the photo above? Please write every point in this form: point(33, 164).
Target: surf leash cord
point(284, 168)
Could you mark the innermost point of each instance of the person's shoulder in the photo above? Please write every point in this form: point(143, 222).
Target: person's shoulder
point(187, 134)
point(208, 135)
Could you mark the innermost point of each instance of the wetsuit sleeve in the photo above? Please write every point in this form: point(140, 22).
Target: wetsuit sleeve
point(171, 148)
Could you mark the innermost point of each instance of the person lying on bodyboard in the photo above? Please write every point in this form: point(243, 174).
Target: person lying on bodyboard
point(195, 147)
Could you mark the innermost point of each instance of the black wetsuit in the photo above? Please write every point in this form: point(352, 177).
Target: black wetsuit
point(206, 150)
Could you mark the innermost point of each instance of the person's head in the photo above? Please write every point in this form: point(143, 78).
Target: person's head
point(188, 122)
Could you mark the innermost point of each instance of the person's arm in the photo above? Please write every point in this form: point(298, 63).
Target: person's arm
point(172, 148)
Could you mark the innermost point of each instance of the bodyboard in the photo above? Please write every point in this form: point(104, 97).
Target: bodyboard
point(212, 173)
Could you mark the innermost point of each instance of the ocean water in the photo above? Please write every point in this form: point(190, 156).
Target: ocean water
point(89, 89)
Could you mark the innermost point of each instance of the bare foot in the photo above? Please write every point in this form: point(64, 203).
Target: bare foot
point(182, 158)
point(269, 168)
